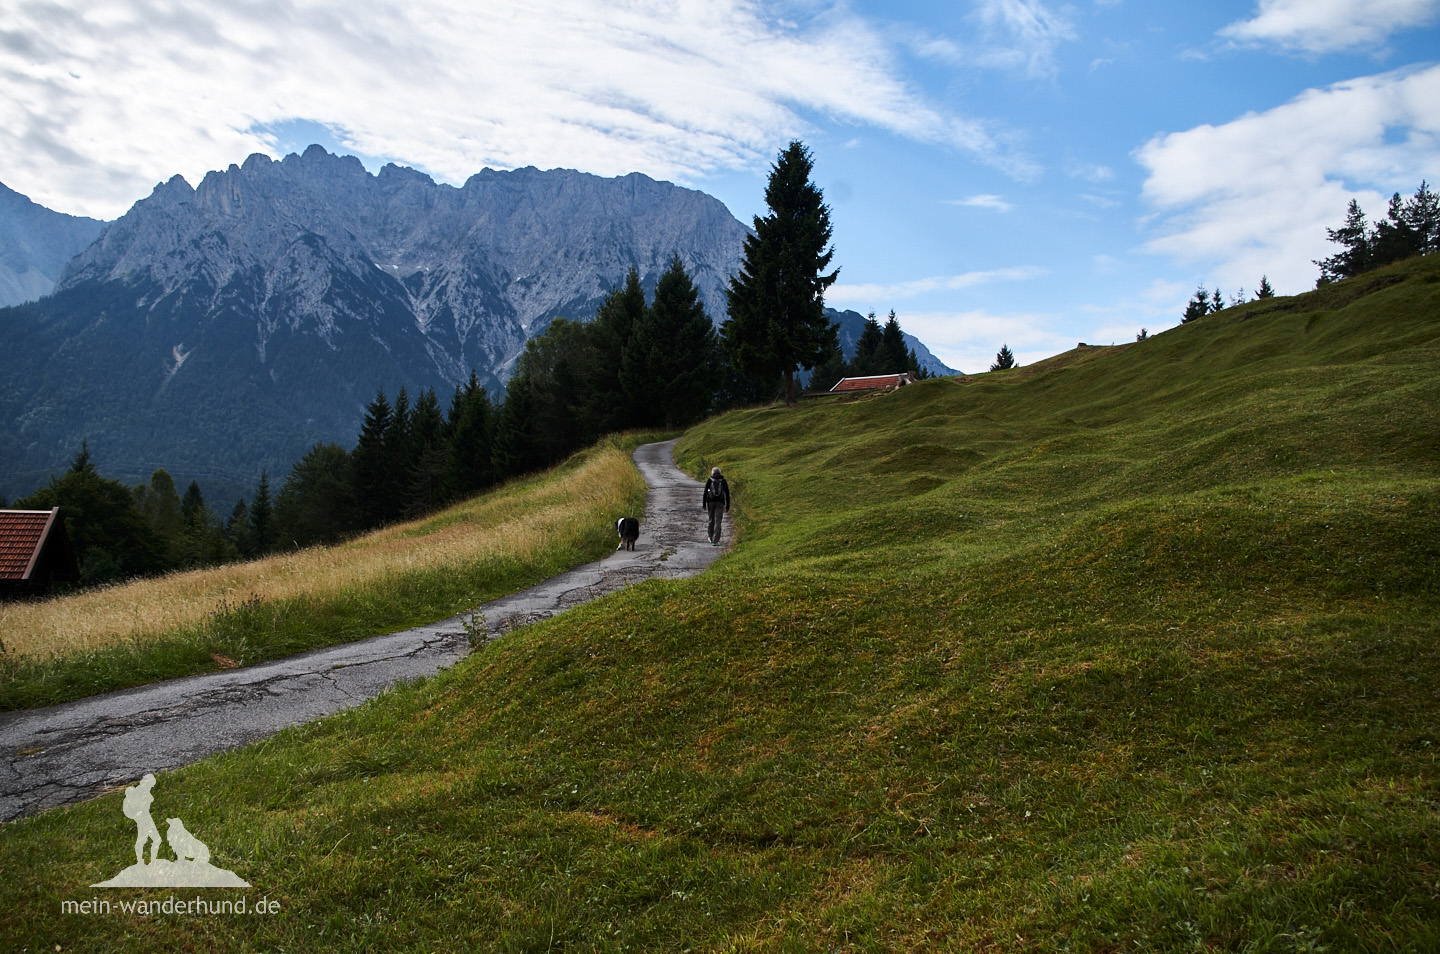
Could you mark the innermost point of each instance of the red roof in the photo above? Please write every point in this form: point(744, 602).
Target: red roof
point(22, 536)
point(872, 382)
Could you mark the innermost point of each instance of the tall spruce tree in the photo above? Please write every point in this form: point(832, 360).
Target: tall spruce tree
point(869, 353)
point(892, 347)
point(516, 448)
point(1265, 290)
point(777, 301)
point(671, 365)
point(1422, 215)
point(370, 470)
point(467, 465)
point(263, 533)
point(610, 334)
point(427, 456)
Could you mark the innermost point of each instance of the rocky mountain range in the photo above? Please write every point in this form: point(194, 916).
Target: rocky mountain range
point(226, 328)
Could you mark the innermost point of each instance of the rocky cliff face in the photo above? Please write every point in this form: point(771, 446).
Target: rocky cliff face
point(229, 327)
point(35, 243)
point(479, 268)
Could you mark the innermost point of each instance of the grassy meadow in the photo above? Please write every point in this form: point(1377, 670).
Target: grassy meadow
point(1134, 649)
point(238, 614)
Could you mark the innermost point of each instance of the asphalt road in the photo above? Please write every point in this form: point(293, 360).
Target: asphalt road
point(69, 752)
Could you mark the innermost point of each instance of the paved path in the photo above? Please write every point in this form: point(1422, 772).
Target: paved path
point(72, 751)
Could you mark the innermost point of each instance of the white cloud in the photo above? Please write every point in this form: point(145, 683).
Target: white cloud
point(878, 296)
point(1012, 35)
point(997, 203)
point(102, 101)
point(968, 340)
point(1155, 307)
point(1255, 195)
point(1324, 26)
point(1090, 172)
point(1024, 34)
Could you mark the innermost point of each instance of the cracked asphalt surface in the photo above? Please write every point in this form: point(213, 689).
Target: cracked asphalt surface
point(70, 752)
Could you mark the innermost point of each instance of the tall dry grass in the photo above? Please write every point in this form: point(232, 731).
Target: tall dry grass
point(518, 521)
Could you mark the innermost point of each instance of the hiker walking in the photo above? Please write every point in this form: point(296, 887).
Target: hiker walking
point(716, 501)
point(137, 808)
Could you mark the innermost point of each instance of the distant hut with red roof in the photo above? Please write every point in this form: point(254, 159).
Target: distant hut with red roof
point(874, 382)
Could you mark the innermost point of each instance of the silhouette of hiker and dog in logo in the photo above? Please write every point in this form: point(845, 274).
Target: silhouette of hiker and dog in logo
point(191, 867)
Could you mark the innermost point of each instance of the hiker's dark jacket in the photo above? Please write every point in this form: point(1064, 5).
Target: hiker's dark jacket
point(717, 491)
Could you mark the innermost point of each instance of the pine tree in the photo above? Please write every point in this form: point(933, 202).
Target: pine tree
point(869, 353)
point(1393, 239)
point(237, 528)
point(1265, 290)
point(777, 301)
point(263, 532)
point(1216, 302)
point(467, 465)
point(369, 468)
point(610, 334)
point(192, 507)
point(671, 364)
point(1354, 237)
point(1422, 215)
point(1198, 307)
point(917, 370)
point(516, 448)
point(427, 456)
point(1004, 359)
point(205, 543)
point(894, 354)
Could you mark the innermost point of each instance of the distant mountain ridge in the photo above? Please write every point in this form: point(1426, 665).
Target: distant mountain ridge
point(35, 244)
point(480, 268)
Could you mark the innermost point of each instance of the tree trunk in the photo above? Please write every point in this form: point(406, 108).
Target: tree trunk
point(789, 387)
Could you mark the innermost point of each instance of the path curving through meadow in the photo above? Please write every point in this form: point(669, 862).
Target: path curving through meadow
point(69, 752)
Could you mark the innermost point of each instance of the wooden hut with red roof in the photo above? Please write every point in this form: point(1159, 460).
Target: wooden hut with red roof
point(874, 382)
point(34, 552)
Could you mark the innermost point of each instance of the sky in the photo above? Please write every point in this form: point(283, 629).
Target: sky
point(1024, 172)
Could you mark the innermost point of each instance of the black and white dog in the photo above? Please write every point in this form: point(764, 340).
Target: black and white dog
point(629, 530)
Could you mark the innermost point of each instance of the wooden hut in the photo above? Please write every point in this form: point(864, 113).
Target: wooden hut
point(34, 552)
point(874, 382)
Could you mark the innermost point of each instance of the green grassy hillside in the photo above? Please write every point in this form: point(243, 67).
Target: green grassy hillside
point(1134, 649)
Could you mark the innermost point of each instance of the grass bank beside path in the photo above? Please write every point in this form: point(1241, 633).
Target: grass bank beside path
point(404, 575)
point(1136, 649)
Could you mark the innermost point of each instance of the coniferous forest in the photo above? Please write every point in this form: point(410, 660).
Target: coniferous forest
point(637, 365)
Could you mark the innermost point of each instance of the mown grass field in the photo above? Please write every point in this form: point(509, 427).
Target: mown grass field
point(403, 575)
point(1131, 650)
